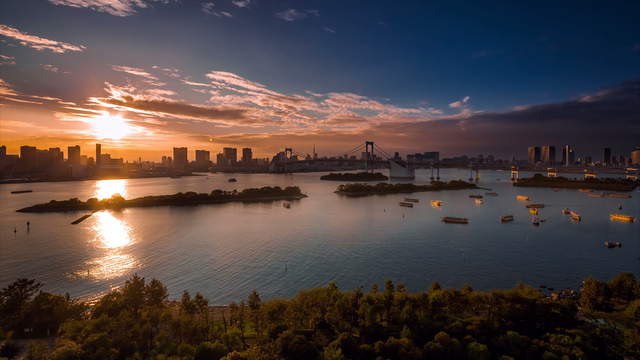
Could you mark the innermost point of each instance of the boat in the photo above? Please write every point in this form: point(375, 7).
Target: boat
point(506, 218)
point(80, 219)
point(595, 195)
point(619, 196)
point(491, 194)
point(533, 211)
point(575, 216)
point(474, 196)
point(535, 206)
point(479, 201)
point(610, 244)
point(232, 180)
point(286, 205)
point(566, 211)
point(535, 221)
point(585, 190)
point(21, 191)
point(455, 220)
point(406, 204)
point(411, 200)
point(436, 202)
point(622, 218)
point(522, 198)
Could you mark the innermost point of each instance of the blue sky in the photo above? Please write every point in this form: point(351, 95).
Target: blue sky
point(374, 65)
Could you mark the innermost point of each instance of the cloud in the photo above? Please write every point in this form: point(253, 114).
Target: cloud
point(38, 43)
point(147, 78)
point(209, 8)
point(241, 3)
point(293, 14)
point(7, 60)
point(113, 7)
point(329, 30)
point(460, 103)
point(52, 68)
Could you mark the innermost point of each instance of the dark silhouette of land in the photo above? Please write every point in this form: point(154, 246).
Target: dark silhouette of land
point(360, 176)
point(385, 188)
point(612, 184)
point(266, 193)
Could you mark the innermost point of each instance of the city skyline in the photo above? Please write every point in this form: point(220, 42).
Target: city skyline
point(305, 79)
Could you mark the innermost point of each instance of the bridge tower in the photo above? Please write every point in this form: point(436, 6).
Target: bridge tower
point(514, 173)
point(368, 154)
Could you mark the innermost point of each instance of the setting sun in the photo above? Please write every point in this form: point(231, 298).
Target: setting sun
point(107, 126)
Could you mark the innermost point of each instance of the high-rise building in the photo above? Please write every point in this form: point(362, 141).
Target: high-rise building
point(230, 155)
point(28, 157)
point(534, 154)
point(568, 155)
point(548, 154)
point(3, 151)
point(98, 155)
point(635, 156)
point(203, 156)
point(247, 155)
point(73, 155)
point(220, 159)
point(56, 155)
point(180, 157)
point(606, 156)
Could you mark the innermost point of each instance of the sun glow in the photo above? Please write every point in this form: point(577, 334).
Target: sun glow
point(107, 126)
point(107, 188)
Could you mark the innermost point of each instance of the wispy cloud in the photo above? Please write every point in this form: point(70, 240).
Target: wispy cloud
point(329, 30)
point(241, 3)
point(293, 14)
point(113, 7)
point(460, 103)
point(53, 69)
point(210, 8)
point(146, 77)
point(7, 60)
point(38, 43)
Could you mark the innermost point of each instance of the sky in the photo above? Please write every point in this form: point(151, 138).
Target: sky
point(459, 77)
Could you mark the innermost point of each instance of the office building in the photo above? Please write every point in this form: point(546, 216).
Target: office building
point(180, 157)
point(73, 155)
point(548, 154)
point(3, 151)
point(247, 155)
point(606, 156)
point(28, 157)
point(230, 156)
point(203, 156)
point(533, 155)
point(98, 155)
point(220, 159)
point(568, 155)
point(55, 155)
point(635, 156)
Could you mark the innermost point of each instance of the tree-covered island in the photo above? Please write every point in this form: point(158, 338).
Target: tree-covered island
point(385, 188)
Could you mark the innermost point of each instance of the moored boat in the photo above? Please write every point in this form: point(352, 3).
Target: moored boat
point(21, 191)
point(610, 244)
point(411, 200)
point(406, 204)
point(479, 202)
point(232, 180)
point(621, 217)
point(566, 211)
point(585, 190)
point(491, 194)
point(436, 202)
point(575, 216)
point(455, 220)
point(619, 196)
point(286, 204)
point(595, 195)
point(522, 198)
point(475, 196)
point(535, 206)
point(506, 218)
point(533, 211)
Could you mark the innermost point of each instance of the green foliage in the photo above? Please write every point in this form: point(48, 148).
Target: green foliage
point(359, 189)
point(138, 322)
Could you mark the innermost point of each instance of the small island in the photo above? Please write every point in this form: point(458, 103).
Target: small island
point(384, 188)
point(611, 184)
point(360, 176)
point(267, 193)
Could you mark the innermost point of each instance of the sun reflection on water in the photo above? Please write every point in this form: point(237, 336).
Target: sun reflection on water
point(112, 238)
point(107, 188)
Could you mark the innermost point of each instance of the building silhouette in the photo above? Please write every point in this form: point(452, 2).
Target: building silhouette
point(180, 158)
point(533, 155)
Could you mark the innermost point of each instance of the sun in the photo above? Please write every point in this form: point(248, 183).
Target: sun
point(107, 126)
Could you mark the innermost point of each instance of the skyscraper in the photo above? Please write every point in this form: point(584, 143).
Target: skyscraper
point(203, 156)
point(534, 154)
point(606, 156)
point(180, 157)
point(98, 155)
point(28, 157)
point(568, 155)
point(247, 155)
point(635, 156)
point(73, 155)
point(549, 154)
point(230, 155)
